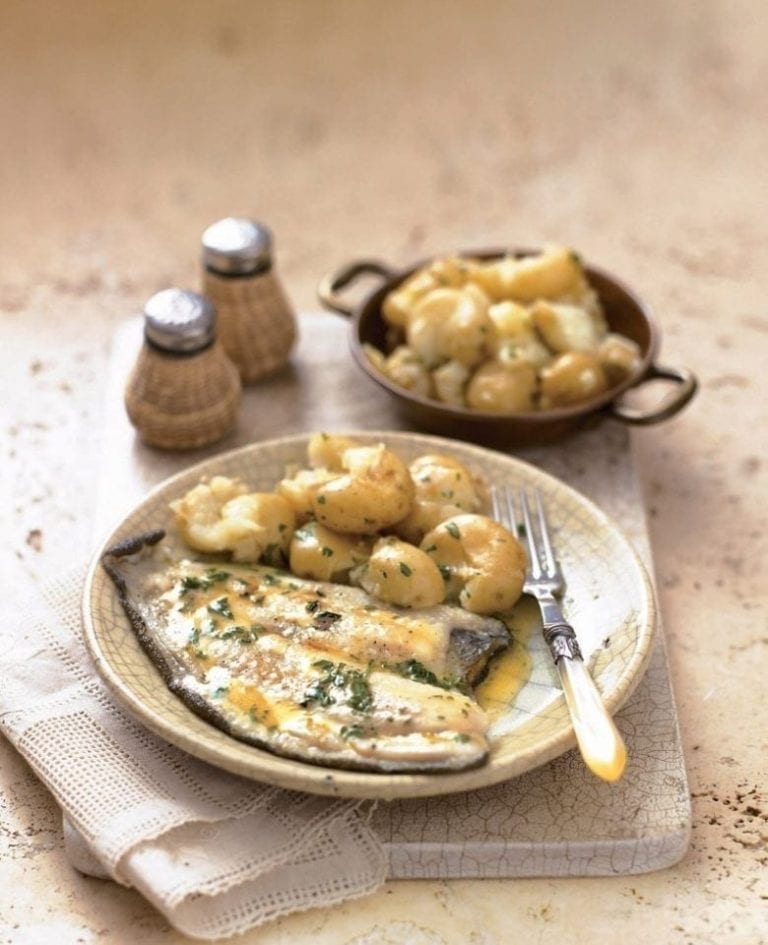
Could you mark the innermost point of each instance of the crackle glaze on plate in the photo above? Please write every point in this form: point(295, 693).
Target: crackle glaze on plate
point(608, 600)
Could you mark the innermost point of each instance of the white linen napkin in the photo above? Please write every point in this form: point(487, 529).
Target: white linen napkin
point(215, 853)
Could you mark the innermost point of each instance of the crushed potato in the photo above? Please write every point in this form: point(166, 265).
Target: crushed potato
point(506, 336)
point(412, 535)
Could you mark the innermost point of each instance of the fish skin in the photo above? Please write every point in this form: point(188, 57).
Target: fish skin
point(266, 686)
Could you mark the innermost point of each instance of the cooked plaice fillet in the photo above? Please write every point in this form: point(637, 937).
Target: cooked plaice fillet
point(315, 671)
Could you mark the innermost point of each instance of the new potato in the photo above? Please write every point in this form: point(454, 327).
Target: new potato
point(221, 515)
point(572, 378)
point(444, 487)
point(321, 554)
point(503, 387)
point(402, 574)
point(484, 564)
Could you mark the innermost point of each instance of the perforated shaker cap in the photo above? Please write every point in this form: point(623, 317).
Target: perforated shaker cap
point(237, 246)
point(179, 320)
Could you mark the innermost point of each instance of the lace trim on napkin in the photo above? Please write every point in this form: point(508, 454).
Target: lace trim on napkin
point(215, 853)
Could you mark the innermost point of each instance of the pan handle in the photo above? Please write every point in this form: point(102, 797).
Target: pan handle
point(672, 403)
point(331, 285)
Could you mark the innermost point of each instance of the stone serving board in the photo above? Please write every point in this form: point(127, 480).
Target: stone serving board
point(558, 820)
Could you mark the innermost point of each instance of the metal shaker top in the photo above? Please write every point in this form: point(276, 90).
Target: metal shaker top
point(237, 246)
point(179, 320)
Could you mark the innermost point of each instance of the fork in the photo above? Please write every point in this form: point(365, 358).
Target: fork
point(600, 743)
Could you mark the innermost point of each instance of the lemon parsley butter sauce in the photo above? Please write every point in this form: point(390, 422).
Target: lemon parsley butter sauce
point(312, 670)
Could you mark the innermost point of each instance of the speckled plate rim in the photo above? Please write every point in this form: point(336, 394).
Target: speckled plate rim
point(209, 744)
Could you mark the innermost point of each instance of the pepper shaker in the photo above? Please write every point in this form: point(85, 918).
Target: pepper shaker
point(257, 325)
point(183, 391)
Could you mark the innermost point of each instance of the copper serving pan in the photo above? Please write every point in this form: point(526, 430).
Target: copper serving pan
point(624, 311)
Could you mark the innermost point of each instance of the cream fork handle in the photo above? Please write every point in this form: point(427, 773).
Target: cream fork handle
point(600, 743)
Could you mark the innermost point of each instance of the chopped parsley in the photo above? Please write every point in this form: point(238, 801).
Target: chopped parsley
point(404, 569)
point(340, 683)
point(453, 529)
point(214, 575)
point(418, 672)
point(243, 635)
point(191, 582)
point(221, 607)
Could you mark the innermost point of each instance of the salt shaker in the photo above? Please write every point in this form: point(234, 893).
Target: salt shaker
point(257, 325)
point(183, 391)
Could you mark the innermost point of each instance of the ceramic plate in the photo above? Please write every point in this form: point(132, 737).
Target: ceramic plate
point(608, 600)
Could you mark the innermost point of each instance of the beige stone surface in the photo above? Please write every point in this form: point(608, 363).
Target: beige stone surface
point(635, 132)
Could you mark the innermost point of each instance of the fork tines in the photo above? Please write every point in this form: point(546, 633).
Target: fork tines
point(505, 511)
